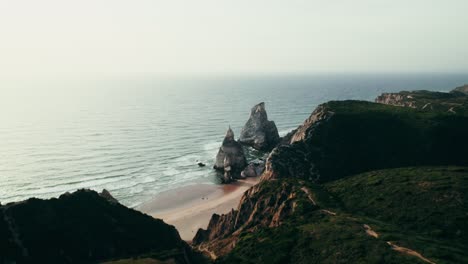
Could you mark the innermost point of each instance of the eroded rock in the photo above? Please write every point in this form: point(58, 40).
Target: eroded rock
point(230, 159)
point(254, 169)
point(259, 132)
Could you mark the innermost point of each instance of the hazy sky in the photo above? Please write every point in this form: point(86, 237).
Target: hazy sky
point(58, 37)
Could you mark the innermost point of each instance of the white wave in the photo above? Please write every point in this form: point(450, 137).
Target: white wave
point(284, 132)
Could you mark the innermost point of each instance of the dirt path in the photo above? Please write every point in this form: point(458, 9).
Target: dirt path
point(370, 232)
point(408, 251)
point(395, 247)
point(328, 212)
point(309, 195)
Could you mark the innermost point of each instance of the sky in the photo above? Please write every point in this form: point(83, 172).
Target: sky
point(62, 37)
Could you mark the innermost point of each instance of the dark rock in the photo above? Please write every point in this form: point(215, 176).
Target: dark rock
point(259, 132)
point(201, 164)
point(254, 169)
point(106, 194)
point(230, 159)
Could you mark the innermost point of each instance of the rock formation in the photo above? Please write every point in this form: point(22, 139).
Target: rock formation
point(254, 169)
point(321, 113)
point(396, 99)
point(462, 89)
point(230, 159)
point(455, 101)
point(259, 132)
point(259, 207)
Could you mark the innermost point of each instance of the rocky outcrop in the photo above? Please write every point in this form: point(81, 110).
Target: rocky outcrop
point(462, 89)
point(83, 227)
point(254, 169)
point(396, 99)
point(259, 132)
point(263, 205)
point(321, 113)
point(230, 158)
point(454, 102)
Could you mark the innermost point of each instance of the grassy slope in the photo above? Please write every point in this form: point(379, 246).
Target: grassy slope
point(425, 208)
point(419, 208)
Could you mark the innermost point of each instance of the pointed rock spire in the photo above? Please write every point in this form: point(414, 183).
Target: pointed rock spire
point(230, 159)
point(259, 132)
point(229, 135)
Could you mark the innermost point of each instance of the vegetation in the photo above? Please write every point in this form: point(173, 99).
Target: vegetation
point(371, 183)
point(82, 227)
point(423, 209)
point(454, 102)
point(364, 136)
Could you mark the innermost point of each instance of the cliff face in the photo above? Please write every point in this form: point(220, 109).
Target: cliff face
point(264, 205)
point(396, 99)
point(454, 102)
point(83, 227)
point(320, 114)
point(462, 89)
point(259, 132)
point(338, 140)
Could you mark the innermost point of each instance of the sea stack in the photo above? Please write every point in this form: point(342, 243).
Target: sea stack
point(230, 159)
point(259, 132)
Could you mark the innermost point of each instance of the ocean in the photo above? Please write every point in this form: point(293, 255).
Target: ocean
point(140, 136)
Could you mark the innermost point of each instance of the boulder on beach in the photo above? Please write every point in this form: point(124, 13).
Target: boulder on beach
point(230, 159)
point(254, 169)
point(259, 132)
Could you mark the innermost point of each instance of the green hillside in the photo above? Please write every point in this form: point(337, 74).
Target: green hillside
point(422, 209)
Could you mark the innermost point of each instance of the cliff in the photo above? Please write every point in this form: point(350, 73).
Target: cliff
point(298, 214)
point(462, 89)
point(357, 182)
point(349, 137)
point(455, 101)
point(84, 227)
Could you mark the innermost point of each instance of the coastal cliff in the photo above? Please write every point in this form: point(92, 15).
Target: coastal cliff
point(453, 102)
point(462, 89)
point(357, 182)
point(297, 214)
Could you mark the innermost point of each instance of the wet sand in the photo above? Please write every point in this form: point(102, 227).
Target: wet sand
point(191, 207)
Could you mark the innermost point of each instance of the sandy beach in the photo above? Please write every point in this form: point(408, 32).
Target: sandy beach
point(191, 207)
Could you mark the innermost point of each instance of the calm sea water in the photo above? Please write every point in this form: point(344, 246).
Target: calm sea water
point(137, 137)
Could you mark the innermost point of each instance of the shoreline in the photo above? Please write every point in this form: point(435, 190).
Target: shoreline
point(191, 207)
